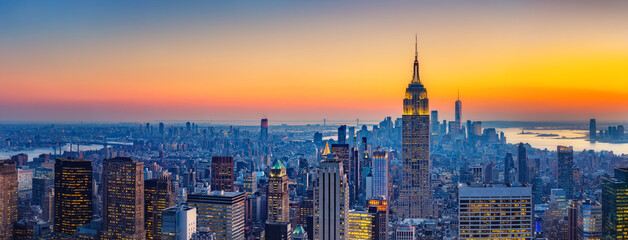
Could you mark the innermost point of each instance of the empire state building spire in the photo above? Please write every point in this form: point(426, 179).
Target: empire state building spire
point(415, 74)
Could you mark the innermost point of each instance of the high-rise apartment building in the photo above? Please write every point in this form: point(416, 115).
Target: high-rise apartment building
point(219, 212)
point(522, 159)
point(8, 199)
point(157, 197)
point(380, 175)
point(481, 209)
point(331, 207)
point(223, 176)
point(615, 205)
point(278, 196)
point(415, 200)
point(565, 170)
point(123, 199)
point(72, 195)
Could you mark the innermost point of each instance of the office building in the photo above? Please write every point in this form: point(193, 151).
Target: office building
point(508, 166)
point(331, 207)
point(589, 225)
point(223, 176)
point(72, 194)
point(458, 109)
point(263, 136)
point(380, 175)
point(360, 225)
point(299, 233)
point(592, 129)
point(405, 232)
point(434, 123)
point(379, 209)
point(278, 231)
point(477, 202)
point(565, 170)
point(522, 159)
point(415, 200)
point(341, 151)
point(157, 197)
point(8, 198)
point(123, 199)
point(342, 134)
point(41, 186)
point(615, 205)
point(220, 213)
point(278, 196)
point(178, 223)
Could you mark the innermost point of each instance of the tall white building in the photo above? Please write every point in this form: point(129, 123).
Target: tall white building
point(178, 223)
point(331, 207)
point(490, 211)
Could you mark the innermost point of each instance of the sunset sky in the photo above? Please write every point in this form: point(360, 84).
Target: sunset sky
point(309, 60)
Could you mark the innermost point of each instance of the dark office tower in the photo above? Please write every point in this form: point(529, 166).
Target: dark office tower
point(41, 186)
point(161, 128)
point(415, 200)
point(615, 205)
point(123, 199)
point(278, 196)
point(8, 199)
point(488, 175)
point(592, 129)
point(508, 165)
point(263, 135)
point(342, 134)
point(73, 194)
point(565, 170)
point(459, 109)
point(188, 126)
point(435, 125)
point(222, 173)
point(355, 176)
point(522, 159)
point(157, 197)
point(572, 221)
point(341, 151)
point(278, 231)
point(379, 209)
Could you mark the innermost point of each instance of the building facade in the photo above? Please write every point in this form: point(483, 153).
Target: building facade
point(565, 170)
point(278, 196)
point(157, 197)
point(223, 177)
point(331, 207)
point(220, 213)
point(72, 195)
point(8, 199)
point(178, 223)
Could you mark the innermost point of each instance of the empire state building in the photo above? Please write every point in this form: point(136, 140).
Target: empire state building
point(415, 200)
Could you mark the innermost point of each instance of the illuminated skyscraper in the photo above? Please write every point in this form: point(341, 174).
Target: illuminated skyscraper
point(589, 220)
point(565, 170)
point(522, 158)
point(8, 199)
point(360, 225)
point(615, 205)
point(157, 197)
point(458, 110)
point(263, 136)
point(223, 177)
point(379, 209)
point(509, 207)
point(331, 207)
point(278, 195)
point(415, 200)
point(123, 199)
point(72, 195)
point(380, 175)
point(219, 212)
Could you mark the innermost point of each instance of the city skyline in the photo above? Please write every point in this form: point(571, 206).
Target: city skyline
point(225, 61)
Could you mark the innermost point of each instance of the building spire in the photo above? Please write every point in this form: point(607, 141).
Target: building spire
point(415, 74)
point(458, 94)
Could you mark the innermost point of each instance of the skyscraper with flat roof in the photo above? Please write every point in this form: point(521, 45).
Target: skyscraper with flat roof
point(522, 159)
point(415, 200)
point(565, 170)
point(360, 225)
point(615, 205)
point(123, 199)
point(157, 197)
point(219, 212)
point(223, 176)
point(331, 207)
point(178, 223)
point(476, 201)
point(8, 199)
point(263, 136)
point(459, 109)
point(592, 129)
point(435, 124)
point(342, 134)
point(380, 175)
point(72, 195)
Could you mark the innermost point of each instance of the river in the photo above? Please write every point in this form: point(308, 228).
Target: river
point(575, 138)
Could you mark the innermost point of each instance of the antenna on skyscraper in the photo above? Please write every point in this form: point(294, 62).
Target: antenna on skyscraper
point(416, 46)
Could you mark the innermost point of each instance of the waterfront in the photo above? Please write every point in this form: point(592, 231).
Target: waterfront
point(35, 152)
point(576, 138)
